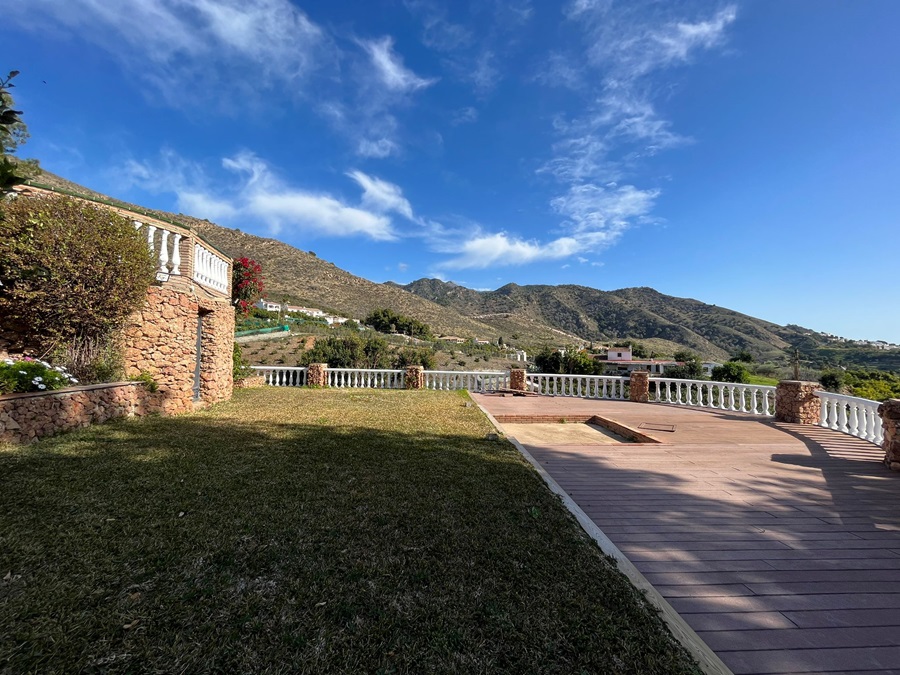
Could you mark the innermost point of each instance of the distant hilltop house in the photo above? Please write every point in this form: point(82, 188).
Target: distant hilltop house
point(452, 338)
point(619, 360)
point(270, 306)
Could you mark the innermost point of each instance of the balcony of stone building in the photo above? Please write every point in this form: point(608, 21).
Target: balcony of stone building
point(182, 256)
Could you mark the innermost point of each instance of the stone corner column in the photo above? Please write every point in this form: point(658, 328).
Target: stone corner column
point(317, 375)
point(639, 386)
point(415, 377)
point(796, 402)
point(890, 420)
point(517, 379)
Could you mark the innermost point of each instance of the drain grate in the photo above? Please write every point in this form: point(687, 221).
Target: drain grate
point(656, 427)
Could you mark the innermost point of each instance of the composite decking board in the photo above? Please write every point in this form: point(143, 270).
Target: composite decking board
point(768, 538)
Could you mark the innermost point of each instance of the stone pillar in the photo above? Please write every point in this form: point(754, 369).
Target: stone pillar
point(415, 377)
point(317, 375)
point(639, 386)
point(517, 379)
point(796, 402)
point(890, 419)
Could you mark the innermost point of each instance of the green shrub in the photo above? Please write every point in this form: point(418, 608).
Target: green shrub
point(411, 356)
point(148, 380)
point(240, 367)
point(32, 375)
point(348, 351)
point(833, 381)
point(69, 269)
point(733, 371)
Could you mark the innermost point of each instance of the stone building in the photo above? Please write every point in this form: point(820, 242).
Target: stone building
point(183, 336)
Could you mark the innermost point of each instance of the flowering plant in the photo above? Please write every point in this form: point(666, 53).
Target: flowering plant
point(246, 283)
point(30, 374)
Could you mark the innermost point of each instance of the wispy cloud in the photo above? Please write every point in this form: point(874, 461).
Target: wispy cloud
point(258, 195)
point(184, 48)
point(484, 250)
point(625, 46)
point(389, 68)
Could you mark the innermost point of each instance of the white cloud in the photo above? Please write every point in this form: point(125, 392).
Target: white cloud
point(381, 196)
point(260, 196)
point(493, 250)
point(185, 48)
point(389, 67)
point(383, 147)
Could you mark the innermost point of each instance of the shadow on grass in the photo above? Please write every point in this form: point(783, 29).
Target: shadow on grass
point(239, 543)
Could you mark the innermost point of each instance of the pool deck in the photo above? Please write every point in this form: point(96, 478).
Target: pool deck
point(779, 544)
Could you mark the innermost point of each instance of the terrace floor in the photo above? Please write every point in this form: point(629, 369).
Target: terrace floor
point(779, 544)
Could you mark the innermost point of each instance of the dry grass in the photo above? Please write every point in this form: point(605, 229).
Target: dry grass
point(312, 531)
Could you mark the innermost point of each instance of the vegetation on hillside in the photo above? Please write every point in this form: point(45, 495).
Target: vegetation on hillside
point(247, 284)
point(388, 321)
point(875, 385)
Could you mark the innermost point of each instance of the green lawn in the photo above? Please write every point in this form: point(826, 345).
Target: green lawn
point(759, 379)
point(315, 531)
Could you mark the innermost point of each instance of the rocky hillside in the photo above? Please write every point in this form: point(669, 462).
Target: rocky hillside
point(527, 315)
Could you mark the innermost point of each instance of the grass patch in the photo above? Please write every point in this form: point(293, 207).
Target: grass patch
point(314, 531)
point(759, 379)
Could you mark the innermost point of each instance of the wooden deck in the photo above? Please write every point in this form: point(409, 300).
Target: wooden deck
point(779, 544)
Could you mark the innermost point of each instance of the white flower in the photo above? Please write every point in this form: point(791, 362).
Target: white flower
point(38, 379)
point(74, 380)
point(42, 386)
point(8, 362)
point(22, 372)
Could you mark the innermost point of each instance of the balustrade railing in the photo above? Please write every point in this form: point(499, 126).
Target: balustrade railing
point(851, 415)
point(581, 386)
point(209, 268)
point(366, 378)
point(449, 380)
point(748, 398)
point(282, 376)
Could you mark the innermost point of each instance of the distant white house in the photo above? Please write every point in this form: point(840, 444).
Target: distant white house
point(267, 305)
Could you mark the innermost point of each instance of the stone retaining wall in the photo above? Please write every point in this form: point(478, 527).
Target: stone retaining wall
point(25, 418)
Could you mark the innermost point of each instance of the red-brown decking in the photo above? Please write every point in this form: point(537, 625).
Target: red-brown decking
point(778, 543)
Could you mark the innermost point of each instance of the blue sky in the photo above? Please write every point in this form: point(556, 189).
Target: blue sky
point(740, 153)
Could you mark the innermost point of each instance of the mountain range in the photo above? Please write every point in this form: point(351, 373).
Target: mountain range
point(527, 315)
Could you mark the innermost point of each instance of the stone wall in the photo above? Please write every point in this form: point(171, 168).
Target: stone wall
point(796, 402)
point(890, 419)
point(161, 340)
point(25, 418)
point(317, 375)
point(517, 379)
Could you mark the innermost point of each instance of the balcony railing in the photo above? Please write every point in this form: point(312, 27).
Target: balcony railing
point(282, 376)
point(366, 378)
point(477, 381)
point(851, 415)
point(748, 398)
point(581, 386)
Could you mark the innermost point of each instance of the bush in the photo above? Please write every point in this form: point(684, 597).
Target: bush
point(733, 371)
point(69, 269)
point(349, 351)
point(32, 375)
point(240, 367)
point(92, 359)
point(833, 381)
point(388, 321)
point(410, 356)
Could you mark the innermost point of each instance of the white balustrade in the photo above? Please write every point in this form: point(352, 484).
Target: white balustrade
point(366, 378)
point(210, 270)
point(166, 252)
point(282, 376)
point(748, 398)
point(475, 381)
point(851, 415)
point(581, 386)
